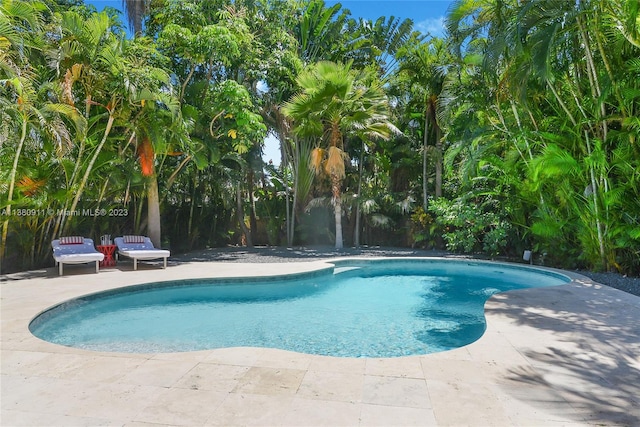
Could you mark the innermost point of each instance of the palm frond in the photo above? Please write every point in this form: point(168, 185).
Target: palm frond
point(369, 206)
point(406, 205)
point(378, 220)
point(317, 202)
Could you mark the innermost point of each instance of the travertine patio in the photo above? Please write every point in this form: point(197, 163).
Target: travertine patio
point(566, 355)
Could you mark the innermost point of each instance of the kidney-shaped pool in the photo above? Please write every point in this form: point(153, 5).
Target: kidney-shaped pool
point(362, 308)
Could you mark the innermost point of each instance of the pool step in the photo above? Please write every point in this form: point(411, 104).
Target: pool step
point(339, 270)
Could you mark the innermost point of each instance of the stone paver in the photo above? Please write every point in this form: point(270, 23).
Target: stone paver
point(559, 356)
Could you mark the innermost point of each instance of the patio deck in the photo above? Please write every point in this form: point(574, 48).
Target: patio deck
point(559, 356)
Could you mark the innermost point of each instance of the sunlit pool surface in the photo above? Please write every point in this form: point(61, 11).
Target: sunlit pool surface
point(383, 308)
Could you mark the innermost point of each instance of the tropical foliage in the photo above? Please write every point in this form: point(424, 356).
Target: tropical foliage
point(519, 129)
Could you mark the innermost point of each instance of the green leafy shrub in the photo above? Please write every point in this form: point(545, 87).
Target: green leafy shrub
point(423, 228)
point(469, 227)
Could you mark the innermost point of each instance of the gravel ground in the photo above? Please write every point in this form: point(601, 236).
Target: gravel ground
point(279, 254)
point(615, 280)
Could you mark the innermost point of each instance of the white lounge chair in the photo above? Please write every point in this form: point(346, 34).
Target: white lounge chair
point(139, 247)
point(75, 250)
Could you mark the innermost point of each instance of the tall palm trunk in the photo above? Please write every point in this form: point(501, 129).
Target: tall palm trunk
point(439, 166)
point(289, 209)
point(356, 237)
point(425, 139)
point(153, 211)
point(336, 190)
point(147, 156)
point(438, 144)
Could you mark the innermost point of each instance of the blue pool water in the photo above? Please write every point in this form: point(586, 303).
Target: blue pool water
point(387, 308)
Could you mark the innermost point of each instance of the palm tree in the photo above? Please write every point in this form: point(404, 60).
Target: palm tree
point(136, 11)
point(424, 67)
point(155, 131)
point(334, 102)
point(383, 40)
point(321, 32)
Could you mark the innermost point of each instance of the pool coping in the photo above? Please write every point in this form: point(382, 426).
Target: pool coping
point(525, 366)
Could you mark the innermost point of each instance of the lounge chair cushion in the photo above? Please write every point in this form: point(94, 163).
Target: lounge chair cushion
point(71, 240)
point(140, 249)
point(145, 254)
point(133, 239)
point(74, 253)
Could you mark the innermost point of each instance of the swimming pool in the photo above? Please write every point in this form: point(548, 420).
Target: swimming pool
point(360, 308)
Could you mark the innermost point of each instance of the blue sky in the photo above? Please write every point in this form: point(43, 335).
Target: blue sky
point(427, 15)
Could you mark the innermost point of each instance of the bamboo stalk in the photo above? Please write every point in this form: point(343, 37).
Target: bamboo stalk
point(85, 178)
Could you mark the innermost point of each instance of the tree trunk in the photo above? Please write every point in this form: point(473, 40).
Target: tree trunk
point(356, 234)
point(240, 213)
point(439, 166)
point(289, 219)
point(191, 210)
point(292, 225)
point(337, 208)
point(431, 115)
point(253, 221)
point(153, 211)
point(425, 194)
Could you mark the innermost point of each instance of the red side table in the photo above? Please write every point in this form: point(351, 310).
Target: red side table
point(108, 251)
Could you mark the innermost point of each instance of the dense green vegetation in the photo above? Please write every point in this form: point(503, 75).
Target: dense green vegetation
point(518, 130)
